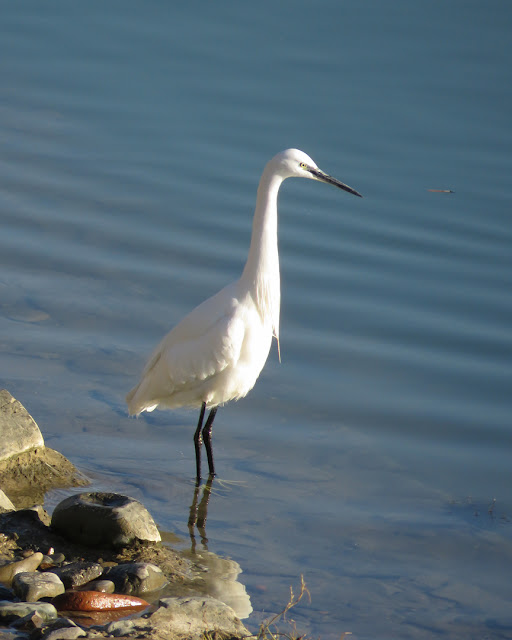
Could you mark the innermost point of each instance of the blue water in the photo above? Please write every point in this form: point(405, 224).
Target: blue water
point(375, 459)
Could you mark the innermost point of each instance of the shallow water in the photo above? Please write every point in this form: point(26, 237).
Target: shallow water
point(133, 137)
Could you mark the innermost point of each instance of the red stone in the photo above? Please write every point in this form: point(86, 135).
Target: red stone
point(96, 601)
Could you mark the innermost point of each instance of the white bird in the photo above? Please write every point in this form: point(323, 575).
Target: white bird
point(216, 353)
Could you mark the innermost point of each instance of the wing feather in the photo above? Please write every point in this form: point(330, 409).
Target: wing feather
point(191, 353)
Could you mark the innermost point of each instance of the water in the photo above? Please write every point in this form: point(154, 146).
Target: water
point(133, 136)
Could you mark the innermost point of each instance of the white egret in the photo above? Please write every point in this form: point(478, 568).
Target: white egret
point(216, 353)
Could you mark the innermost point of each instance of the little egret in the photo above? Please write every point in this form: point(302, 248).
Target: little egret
point(216, 353)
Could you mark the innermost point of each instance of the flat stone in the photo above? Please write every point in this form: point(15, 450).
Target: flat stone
point(75, 574)
point(35, 585)
point(11, 611)
point(9, 570)
point(104, 519)
point(136, 577)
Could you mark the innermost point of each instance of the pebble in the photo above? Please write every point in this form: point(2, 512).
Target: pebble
point(76, 574)
point(34, 585)
point(9, 570)
point(63, 629)
point(136, 577)
point(10, 611)
point(105, 586)
point(120, 628)
point(96, 601)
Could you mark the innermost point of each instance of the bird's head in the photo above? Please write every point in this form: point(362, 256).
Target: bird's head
point(293, 163)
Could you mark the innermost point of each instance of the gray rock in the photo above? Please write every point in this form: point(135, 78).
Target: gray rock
point(5, 503)
point(192, 617)
point(35, 585)
point(57, 558)
point(136, 578)
point(104, 586)
point(6, 593)
point(75, 574)
point(9, 570)
point(63, 629)
point(104, 519)
point(18, 430)
point(11, 611)
point(66, 633)
point(120, 628)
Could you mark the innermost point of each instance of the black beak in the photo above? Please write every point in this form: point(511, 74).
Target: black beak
point(323, 177)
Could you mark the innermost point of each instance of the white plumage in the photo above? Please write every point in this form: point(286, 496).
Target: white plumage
point(216, 353)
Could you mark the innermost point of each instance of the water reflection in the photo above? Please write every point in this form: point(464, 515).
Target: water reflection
point(216, 576)
point(198, 514)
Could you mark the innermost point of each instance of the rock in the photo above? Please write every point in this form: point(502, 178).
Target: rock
point(5, 503)
point(136, 577)
point(76, 574)
point(10, 611)
point(57, 558)
point(63, 629)
point(193, 617)
point(18, 430)
point(9, 570)
point(28, 469)
point(105, 586)
point(6, 594)
point(33, 586)
point(26, 477)
point(96, 601)
point(104, 519)
point(65, 633)
point(120, 628)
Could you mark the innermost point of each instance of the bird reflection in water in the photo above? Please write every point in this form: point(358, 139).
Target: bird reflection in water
point(198, 514)
point(218, 576)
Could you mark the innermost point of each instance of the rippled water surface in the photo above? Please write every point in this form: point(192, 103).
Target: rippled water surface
point(375, 459)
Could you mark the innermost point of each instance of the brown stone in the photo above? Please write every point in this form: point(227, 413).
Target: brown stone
point(96, 601)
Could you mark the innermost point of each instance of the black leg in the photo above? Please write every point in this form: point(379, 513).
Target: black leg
point(198, 441)
point(207, 437)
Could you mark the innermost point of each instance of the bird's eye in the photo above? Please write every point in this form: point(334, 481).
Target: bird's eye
point(303, 165)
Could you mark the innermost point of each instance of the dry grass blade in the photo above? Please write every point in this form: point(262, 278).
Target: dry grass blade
point(268, 630)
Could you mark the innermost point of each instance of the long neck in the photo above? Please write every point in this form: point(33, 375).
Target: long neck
point(261, 270)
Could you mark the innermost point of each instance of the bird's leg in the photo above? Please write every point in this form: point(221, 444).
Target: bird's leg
point(198, 441)
point(207, 437)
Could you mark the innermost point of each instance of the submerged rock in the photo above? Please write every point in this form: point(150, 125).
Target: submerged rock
point(104, 519)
